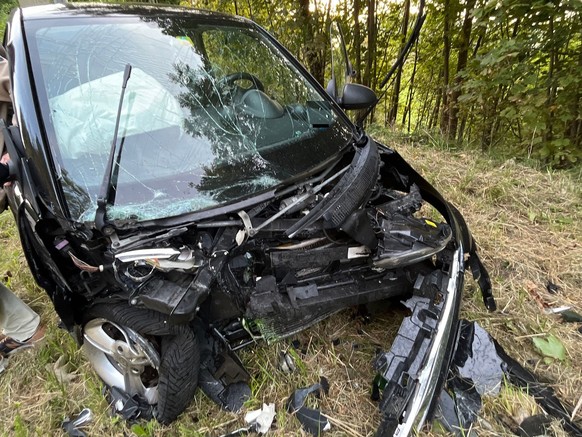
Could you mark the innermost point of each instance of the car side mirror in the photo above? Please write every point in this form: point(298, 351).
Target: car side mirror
point(356, 96)
point(331, 88)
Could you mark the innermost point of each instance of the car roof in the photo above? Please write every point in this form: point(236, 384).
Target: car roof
point(84, 10)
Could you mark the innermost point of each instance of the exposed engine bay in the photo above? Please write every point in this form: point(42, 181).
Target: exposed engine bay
point(340, 239)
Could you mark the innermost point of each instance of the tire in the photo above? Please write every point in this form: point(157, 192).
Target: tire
point(139, 350)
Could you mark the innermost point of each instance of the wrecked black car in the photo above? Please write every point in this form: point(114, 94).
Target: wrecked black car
point(183, 187)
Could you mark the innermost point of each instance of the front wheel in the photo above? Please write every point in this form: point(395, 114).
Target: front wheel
point(139, 352)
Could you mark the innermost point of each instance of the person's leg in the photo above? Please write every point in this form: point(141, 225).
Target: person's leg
point(17, 320)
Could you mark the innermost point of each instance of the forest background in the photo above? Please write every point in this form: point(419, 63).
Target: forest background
point(503, 76)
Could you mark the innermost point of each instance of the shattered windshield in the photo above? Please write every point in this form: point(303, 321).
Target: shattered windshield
point(213, 112)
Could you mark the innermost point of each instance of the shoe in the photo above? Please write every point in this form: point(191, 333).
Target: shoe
point(9, 345)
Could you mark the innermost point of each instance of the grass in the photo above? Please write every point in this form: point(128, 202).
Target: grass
point(528, 224)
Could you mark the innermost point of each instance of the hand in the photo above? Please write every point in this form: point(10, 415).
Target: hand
point(4, 170)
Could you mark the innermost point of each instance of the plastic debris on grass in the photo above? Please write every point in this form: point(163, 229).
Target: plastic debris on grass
point(479, 366)
point(262, 419)
point(73, 426)
point(312, 420)
point(259, 421)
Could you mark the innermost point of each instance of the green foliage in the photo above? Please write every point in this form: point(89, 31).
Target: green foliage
point(550, 347)
point(5, 7)
point(145, 429)
point(520, 93)
point(524, 85)
point(19, 427)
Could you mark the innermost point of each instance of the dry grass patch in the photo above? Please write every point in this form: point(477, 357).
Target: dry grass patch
point(528, 225)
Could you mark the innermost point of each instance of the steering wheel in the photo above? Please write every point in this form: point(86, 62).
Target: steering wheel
point(230, 79)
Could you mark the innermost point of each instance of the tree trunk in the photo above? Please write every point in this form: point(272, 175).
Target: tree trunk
point(408, 107)
point(550, 90)
point(357, 41)
point(425, 103)
point(371, 54)
point(434, 118)
point(446, 61)
point(491, 117)
point(309, 35)
point(463, 55)
point(574, 128)
point(397, 80)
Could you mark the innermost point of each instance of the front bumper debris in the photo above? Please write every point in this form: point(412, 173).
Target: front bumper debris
point(411, 373)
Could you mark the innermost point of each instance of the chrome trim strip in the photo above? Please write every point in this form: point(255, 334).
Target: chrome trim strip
point(429, 375)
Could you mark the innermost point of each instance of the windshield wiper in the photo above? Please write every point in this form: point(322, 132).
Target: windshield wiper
point(109, 184)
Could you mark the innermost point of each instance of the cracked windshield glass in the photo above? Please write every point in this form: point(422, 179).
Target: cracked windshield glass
point(212, 113)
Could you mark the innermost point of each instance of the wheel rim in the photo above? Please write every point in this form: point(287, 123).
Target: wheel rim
point(122, 358)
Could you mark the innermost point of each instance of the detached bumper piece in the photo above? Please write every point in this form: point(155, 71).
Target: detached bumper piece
point(411, 372)
point(222, 376)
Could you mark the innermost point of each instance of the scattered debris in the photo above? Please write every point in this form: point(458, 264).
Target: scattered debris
point(479, 366)
point(72, 426)
point(261, 419)
point(446, 414)
point(312, 420)
point(476, 370)
point(222, 376)
point(238, 432)
point(552, 288)
point(296, 344)
point(570, 316)
point(476, 359)
point(533, 426)
point(130, 408)
point(532, 289)
point(550, 347)
point(557, 310)
point(542, 393)
point(286, 362)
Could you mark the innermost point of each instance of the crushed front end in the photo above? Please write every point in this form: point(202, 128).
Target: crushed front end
point(231, 212)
